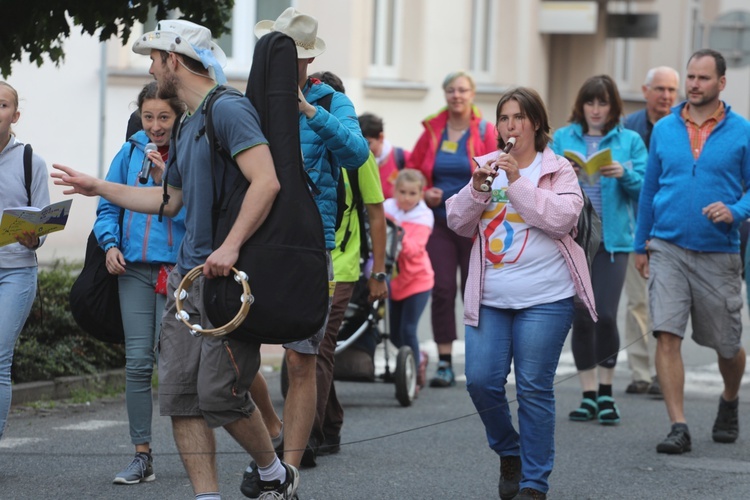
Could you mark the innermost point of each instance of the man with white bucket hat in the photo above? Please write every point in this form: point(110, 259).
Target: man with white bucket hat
point(192, 391)
point(331, 139)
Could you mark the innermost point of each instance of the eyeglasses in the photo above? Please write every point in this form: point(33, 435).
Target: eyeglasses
point(451, 90)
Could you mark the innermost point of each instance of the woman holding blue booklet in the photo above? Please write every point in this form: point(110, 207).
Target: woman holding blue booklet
point(613, 189)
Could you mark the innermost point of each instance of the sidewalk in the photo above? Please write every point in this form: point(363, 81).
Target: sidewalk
point(65, 387)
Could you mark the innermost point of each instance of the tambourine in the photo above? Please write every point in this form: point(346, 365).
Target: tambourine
point(181, 294)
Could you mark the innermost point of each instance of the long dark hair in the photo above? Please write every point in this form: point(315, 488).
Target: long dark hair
point(600, 87)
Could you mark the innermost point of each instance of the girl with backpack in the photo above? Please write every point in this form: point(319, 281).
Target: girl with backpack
point(413, 278)
point(613, 189)
point(141, 250)
point(18, 264)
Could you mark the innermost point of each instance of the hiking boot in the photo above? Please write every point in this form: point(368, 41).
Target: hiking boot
point(276, 490)
point(140, 470)
point(444, 377)
point(530, 494)
point(422, 370)
point(655, 388)
point(677, 442)
point(331, 445)
point(637, 387)
point(510, 477)
point(726, 426)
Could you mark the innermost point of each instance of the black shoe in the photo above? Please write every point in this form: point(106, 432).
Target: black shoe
point(677, 442)
point(250, 486)
point(310, 454)
point(510, 477)
point(726, 426)
point(530, 494)
point(655, 388)
point(331, 445)
point(637, 387)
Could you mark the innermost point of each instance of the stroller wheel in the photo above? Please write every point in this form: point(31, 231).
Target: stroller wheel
point(405, 376)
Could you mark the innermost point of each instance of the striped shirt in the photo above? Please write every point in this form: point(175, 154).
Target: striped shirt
point(698, 134)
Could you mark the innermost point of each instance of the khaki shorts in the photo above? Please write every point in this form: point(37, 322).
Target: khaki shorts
point(705, 286)
point(202, 376)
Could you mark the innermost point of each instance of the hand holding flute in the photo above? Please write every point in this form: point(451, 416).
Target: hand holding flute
point(487, 184)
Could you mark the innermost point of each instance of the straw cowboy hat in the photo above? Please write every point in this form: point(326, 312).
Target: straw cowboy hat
point(303, 29)
point(182, 37)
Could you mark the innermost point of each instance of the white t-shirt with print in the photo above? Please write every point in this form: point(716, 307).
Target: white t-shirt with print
point(523, 267)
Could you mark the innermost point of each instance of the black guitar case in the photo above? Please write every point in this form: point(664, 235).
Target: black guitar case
point(285, 259)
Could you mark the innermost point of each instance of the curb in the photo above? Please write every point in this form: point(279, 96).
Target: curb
point(64, 387)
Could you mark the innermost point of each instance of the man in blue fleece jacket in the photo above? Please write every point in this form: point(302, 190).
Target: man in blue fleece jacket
point(690, 209)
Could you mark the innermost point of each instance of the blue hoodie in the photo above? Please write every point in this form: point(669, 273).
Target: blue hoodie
point(618, 195)
point(144, 238)
point(330, 136)
point(677, 187)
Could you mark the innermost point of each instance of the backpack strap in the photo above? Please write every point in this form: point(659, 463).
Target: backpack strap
point(398, 154)
point(27, 151)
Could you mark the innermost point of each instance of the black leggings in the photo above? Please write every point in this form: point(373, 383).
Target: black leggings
point(598, 343)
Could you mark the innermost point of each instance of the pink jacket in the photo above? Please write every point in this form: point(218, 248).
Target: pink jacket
point(415, 274)
point(552, 206)
point(423, 155)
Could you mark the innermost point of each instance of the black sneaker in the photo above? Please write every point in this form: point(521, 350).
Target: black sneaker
point(250, 486)
point(331, 445)
point(677, 442)
point(140, 470)
point(510, 477)
point(310, 454)
point(276, 490)
point(726, 426)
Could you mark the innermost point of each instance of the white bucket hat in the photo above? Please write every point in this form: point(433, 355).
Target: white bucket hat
point(303, 29)
point(186, 38)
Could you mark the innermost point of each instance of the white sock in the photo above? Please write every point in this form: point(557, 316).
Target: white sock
point(208, 496)
point(274, 472)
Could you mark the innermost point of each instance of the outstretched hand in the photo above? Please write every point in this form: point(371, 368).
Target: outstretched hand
point(79, 183)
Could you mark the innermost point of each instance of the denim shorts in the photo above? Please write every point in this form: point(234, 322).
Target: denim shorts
point(704, 286)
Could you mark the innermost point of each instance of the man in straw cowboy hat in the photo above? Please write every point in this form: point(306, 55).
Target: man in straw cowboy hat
point(197, 396)
point(330, 140)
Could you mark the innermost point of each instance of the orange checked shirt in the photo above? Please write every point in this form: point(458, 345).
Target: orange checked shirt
point(699, 133)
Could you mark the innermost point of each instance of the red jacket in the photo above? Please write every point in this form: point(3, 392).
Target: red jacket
point(424, 152)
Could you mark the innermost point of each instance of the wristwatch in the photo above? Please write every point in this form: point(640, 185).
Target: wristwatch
point(378, 276)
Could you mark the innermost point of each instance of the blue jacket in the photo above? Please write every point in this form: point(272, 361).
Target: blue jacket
point(677, 187)
point(144, 238)
point(618, 195)
point(337, 133)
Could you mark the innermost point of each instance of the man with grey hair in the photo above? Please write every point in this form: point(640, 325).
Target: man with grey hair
point(660, 92)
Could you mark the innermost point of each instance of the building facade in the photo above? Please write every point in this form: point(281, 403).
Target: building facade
point(392, 56)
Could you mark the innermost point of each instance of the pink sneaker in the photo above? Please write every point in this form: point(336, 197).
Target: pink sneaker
point(422, 371)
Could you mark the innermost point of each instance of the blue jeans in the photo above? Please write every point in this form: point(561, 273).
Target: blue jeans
point(532, 338)
point(17, 292)
point(404, 317)
point(142, 310)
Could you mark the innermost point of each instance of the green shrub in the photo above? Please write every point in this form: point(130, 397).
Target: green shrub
point(51, 343)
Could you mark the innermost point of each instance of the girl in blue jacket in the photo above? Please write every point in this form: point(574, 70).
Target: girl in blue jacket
point(613, 189)
point(141, 250)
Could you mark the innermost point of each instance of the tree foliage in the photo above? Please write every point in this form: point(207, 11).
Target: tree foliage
point(39, 27)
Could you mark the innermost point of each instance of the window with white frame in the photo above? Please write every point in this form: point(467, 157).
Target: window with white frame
point(385, 39)
point(482, 13)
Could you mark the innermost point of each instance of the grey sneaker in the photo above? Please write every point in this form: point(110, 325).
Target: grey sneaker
point(275, 490)
point(140, 470)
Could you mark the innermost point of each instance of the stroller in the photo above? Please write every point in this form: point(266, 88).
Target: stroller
point(361, 332)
